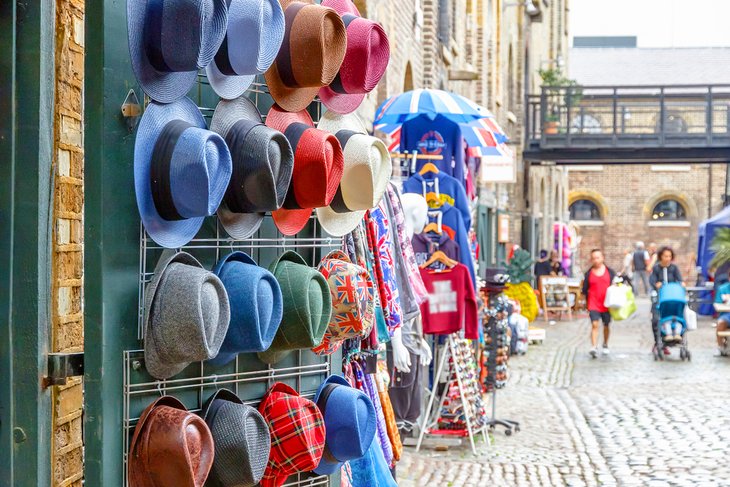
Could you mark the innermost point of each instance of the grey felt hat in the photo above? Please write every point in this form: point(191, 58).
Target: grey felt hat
point(242, 441)
point(186, 315)
point(263, 161)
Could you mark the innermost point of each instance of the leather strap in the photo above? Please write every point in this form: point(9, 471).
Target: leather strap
point(338, 204)
point(235, 198)
point(294, 133)
point(336, 84)
point(222, 61)
point(160, 166)
point(322, 405)
point(283, 59)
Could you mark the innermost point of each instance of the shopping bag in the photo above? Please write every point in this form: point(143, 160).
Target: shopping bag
point(628, 309)
point(615, 296)
point(690, 319)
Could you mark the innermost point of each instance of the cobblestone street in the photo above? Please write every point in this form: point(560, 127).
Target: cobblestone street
point(621, 420)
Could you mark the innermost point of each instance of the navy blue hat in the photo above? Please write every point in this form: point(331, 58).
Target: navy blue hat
point(350, 421)
point(256, 306)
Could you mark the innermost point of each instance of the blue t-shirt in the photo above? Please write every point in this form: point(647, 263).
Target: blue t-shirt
point(437, 137)
point(449, 189)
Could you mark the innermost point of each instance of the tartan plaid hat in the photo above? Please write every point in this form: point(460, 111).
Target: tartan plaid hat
point(350, 420)
point(353, 301)
point(242, 441)
point(307, 307)
point(297, 434)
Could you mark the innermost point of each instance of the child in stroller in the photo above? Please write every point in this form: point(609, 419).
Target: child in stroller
point(669, 301)
point(670, 304)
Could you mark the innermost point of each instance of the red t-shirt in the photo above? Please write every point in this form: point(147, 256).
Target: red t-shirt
point(597, 286)
point(452, 304)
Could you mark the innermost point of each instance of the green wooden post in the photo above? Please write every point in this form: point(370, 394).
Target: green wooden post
point(26, 131)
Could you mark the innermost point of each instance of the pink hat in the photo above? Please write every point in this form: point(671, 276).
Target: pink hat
point(366, 59)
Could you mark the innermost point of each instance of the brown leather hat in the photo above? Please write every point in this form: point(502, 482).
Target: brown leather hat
point(171, 447)
point(310, 57)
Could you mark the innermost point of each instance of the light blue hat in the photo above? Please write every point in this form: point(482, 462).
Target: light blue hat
point(256, 306)
point(350, 422)
point(170, 40)
point(181, 171)
point(254, 36)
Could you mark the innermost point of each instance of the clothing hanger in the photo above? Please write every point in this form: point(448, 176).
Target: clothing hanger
point(432, 227)
point(429, 167)
point(433, 200)
point(440, 256)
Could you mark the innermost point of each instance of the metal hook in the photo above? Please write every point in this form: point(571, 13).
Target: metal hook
point(215, 381)
point(159, 389)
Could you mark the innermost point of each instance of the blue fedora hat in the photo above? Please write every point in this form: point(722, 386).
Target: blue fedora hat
point(350, 421)
point(254, 35)
point(256, 306)
point(170, 40)
point(181, 171)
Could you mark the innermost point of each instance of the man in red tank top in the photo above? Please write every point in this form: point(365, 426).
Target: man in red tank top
point(595, 284)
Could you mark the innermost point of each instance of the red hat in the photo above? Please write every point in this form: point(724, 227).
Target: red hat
point(318, 164)
point(366, 59)
point(297, 434)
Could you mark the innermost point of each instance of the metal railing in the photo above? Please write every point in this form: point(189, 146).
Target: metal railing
point(629, 116)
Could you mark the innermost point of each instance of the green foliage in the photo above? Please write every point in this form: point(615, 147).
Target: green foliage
point(720, 247)
point(520, 267)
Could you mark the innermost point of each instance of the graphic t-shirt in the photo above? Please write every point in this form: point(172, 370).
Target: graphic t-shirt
point(452, 304)
point(438, 138)
point(597, 287)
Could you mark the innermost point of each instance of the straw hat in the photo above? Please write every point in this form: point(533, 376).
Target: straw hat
point(310, 56)
point(367, 170)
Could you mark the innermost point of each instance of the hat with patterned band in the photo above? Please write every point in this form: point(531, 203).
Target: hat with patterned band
point(256, 306)
point(353, 301)
point(310, 56)
point(297, 434)
point(367, 170)
point(307, 307)
point(242, 441)
point(181, 171)
point(171, 447)
point(318, 164)
point(366, 59)
point(254, 35)
point(170, 40)
point(263, 162)
point(350, 421)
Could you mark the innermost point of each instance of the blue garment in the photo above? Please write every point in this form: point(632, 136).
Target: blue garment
point(447, 187)
point(438, 137)
point(451, 218)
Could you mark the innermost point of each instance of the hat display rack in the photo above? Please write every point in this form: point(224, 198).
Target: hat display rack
point(246, 376)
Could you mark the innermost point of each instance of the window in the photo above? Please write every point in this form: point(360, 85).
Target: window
point(584, 210)
point(669, 210)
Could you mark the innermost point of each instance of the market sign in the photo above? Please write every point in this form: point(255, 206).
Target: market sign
point(498, 168)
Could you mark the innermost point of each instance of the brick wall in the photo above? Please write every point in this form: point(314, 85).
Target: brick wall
point(67, 325)
point(628, 195)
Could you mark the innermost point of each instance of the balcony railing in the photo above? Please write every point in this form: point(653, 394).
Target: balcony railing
point(569, 117)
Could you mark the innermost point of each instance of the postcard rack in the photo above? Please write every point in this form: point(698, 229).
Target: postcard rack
point(246, 376)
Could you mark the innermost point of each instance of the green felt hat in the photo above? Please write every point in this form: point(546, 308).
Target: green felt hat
point(307, 307)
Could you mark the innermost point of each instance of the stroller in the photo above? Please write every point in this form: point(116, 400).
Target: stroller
point(669, 319)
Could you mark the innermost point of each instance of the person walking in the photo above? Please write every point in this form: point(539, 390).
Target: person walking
point(641, 268)
point(595, 284)
point(664, 271)
point(542, 267)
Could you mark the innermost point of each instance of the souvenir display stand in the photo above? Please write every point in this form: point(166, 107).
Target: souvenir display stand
point(495, 315)
point(459, 410)
point(555, 296)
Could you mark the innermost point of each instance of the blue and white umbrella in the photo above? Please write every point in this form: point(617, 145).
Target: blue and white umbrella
point(399, 109)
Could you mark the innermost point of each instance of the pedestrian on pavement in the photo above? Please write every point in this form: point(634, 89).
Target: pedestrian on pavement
point(641, 260)
point(664, 271)
point(653, 255)
point(556, 267)
point(627, 269)
point(595, 284)
point(542, 267)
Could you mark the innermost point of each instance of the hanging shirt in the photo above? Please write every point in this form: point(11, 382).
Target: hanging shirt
point(447, 190)
point(448, 216)
point(437, 137)
point(452, 304)
point(425, 244)
point(381, 245)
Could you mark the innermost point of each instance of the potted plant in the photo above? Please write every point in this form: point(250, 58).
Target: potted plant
point(571, 96)
point(552, 124)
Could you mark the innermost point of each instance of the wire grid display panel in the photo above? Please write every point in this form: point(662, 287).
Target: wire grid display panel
point(247, 376)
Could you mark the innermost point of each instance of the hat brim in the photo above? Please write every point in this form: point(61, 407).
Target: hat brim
point(170, 234)
point(164, 87)
point(339, 102)
point(325, 466)
point(228, 87)
point(339, 224)
point(238, 225)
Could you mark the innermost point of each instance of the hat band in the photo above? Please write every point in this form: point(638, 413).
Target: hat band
point(336, 84)
point(338, 202)
point(153, 38)
point(236, 197)
point(294, 133)
point(324, 395)
point(160, 169)
point(283, 60)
